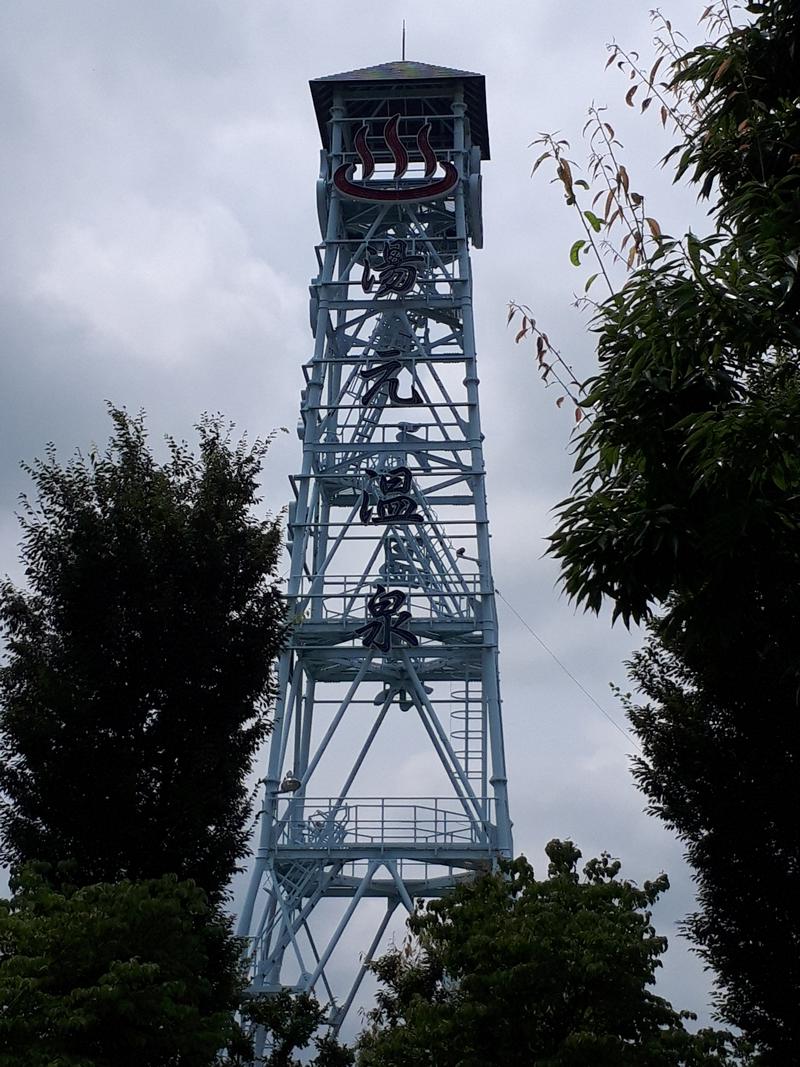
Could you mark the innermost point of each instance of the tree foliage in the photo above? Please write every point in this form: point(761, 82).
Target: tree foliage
point(510, 970)
point(136, 974)
point(114, 975)
point(137, 673)
point(292, 1022)
point(685, 510)
point(720, 765)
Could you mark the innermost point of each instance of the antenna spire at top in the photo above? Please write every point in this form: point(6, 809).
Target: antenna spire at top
point(404, 40)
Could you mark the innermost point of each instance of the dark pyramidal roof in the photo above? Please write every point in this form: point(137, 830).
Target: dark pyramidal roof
point(406, 70)
point(400, 70)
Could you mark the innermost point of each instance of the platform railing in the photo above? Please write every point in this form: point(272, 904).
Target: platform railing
point(344, 597)
point(332, 823)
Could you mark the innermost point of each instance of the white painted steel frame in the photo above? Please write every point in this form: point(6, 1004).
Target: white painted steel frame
point(394, 848)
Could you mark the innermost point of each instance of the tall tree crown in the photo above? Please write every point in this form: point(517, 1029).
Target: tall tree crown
point(137, 677)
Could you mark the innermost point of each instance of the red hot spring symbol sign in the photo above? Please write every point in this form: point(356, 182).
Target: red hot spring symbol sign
point(366, 190)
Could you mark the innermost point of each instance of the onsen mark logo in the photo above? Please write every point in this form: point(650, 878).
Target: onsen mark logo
point(364, 190)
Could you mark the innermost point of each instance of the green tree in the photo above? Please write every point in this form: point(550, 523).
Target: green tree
point(292, 1022)
point(138, 662)
point(136, 974)
point(114, 975)
point(685, 514)
point(509, 970)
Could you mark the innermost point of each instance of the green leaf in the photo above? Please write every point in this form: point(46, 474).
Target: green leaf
point(146, 549)
point(574, 253)
point(589, 282)
point(593, 221)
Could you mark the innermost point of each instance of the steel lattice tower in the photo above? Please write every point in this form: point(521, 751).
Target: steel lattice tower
point(390, 587)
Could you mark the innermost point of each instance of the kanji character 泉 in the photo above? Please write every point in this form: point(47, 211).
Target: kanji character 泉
point(379, 632)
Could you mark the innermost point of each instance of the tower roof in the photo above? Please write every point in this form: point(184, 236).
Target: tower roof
point(400, 70)
point(406, 70)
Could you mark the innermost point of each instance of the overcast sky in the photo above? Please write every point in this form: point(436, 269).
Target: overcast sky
point(158, 231)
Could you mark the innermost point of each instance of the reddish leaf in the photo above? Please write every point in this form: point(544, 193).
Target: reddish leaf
point(655, 229)
point(630, 95)
point(722, 68)
point(578, 414)
point(565, 174)
point(560, 401)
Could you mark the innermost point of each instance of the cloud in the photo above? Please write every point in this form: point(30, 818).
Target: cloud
point(166, 285)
